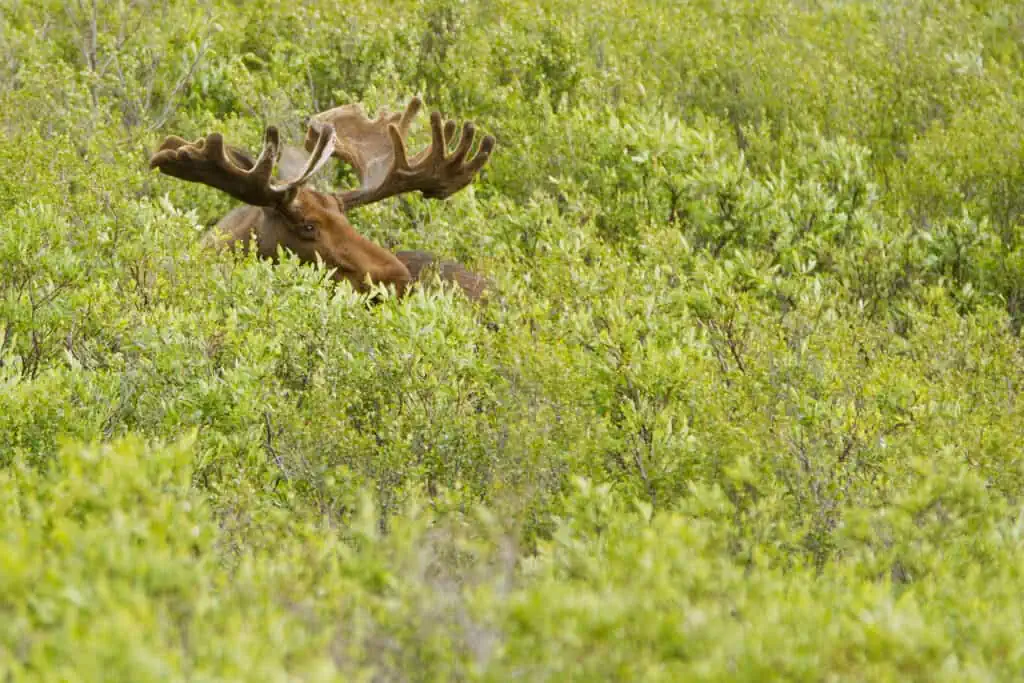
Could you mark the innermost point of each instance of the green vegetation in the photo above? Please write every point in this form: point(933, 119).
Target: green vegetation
point(748, 404)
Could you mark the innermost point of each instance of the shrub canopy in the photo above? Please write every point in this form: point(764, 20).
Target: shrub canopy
point(747, 404)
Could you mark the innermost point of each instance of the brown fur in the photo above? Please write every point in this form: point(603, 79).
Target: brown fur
point(329, 235)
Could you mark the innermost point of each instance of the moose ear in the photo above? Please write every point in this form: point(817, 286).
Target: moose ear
point(292, 162)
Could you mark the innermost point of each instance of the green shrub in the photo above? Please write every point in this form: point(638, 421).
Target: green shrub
point(744, 405)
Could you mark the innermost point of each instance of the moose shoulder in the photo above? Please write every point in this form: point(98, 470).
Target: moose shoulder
point(312, 224)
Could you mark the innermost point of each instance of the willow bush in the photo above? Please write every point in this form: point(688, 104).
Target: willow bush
point(745, 404)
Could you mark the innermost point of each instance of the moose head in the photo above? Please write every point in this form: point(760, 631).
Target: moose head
point(313, 225)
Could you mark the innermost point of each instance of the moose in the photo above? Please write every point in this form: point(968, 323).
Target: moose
point(314, 225)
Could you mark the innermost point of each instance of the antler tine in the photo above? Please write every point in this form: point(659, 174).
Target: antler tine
point(411, 110)
point(465, 142)
point(449, 130)
point(264, 166)
point(400, 159)
point(377, 150)
point(206, 161)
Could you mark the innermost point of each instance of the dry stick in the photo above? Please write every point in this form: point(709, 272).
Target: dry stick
point(169, 104)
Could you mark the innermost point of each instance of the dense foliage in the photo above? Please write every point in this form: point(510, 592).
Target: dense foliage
point(747, 404)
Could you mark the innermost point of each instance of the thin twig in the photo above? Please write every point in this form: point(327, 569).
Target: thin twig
point(269, 446)
point(169, 104)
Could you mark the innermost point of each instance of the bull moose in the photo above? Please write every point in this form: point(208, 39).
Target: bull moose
point(314, 225)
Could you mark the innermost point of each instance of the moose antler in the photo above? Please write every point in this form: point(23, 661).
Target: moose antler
point(376, 149)
point(209, 161)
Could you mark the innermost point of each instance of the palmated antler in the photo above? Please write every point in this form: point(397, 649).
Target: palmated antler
point(376, 149)
point(209, 161)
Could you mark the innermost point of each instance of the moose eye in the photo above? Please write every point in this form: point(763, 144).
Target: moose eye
point(307, 229)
